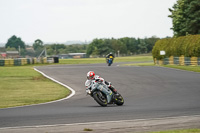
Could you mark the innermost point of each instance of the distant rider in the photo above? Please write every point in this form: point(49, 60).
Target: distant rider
point(91, 76)
point(109, 56)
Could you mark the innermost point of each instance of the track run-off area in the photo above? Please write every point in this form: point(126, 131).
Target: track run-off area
point(149, 92)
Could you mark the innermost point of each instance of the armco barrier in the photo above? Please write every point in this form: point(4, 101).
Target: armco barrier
point(171, 60)
point(194, 61)
point(17, 62)
point(183, 61)
point(22, 61)
point(9, 62)
point(187, 61)
point(198, 60)
point(2, 62)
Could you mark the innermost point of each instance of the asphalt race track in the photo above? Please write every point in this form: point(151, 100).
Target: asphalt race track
point(149, 92)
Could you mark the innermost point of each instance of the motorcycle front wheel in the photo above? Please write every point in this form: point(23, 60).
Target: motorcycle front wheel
point(119, 100)
point(100, 98)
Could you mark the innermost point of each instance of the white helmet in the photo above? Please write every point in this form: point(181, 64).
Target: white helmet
point(90, 75)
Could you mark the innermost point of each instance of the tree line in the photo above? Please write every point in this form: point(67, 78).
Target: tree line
point(123, 46)
point(97, 48)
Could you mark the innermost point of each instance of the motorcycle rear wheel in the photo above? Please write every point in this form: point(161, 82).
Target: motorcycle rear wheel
point(100, 98)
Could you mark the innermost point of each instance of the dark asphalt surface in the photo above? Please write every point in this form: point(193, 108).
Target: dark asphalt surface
point(149, 92)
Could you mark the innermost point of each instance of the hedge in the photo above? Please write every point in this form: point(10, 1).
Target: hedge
point(185, 45)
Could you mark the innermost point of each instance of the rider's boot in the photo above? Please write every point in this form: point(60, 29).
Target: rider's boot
point(111, 87)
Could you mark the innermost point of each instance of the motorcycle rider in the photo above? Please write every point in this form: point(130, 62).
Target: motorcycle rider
point(91, 76)
point(108, 56)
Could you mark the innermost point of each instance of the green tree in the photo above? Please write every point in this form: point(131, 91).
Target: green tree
point(131, 44)
point(118, 45)
point(10, 49)
point(38, 44)
point(100, 47)
point(142, 46)
point(185, 16)
point(15, 42)
point(193, 13)
point(150, 42)
point(50, 51)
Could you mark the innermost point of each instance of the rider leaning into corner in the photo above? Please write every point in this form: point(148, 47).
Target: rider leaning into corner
point(91, 76)
point(110, 55)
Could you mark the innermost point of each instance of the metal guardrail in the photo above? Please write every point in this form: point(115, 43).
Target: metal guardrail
point(22, 61)
point(195, 61)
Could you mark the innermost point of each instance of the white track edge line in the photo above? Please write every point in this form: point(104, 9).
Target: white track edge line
point(72, 90)
point(101, 122)
point(72, 93)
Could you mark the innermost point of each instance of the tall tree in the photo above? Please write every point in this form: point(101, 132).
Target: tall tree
point(150, 42)
point(193, 13)
point(99, 47)
point(142, 46)
point(118, 45)
point(185, 16)
point(131, 44)
point(15, 42)
point(38, 44)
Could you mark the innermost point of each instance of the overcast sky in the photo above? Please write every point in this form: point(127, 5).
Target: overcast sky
point(67, 20)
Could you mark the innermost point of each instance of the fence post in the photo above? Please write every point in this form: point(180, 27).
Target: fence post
point(155, 61)
point(160, 62)
point(181, 60)
point(194, 61)
point(171, 60)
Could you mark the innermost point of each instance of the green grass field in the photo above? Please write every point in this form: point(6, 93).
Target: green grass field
point(180, 131)
point(24, 86)
point(187, 68)
point(103, 60)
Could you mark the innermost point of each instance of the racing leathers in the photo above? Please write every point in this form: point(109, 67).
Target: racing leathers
point(109, 56)
point(98, 78)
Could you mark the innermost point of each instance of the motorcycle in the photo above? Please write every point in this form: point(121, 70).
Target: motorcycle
point(102, 94)
point(110, 61)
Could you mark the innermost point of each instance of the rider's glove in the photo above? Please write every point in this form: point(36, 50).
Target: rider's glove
point(99, 80)
point(109, 84)
point(88, 92)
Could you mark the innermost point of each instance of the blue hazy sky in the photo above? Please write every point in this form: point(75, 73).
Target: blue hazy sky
point(66, 20)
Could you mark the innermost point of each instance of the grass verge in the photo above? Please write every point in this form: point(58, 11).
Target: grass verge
point(139, 64)
point(24, 86)
point(180, 131)
point(188, 68)
point(103, 60)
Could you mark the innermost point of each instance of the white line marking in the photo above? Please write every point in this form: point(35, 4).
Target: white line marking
point(101, 122)
point(73, 91)
point(72, 94)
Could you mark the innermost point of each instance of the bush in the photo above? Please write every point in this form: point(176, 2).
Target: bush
point(185, 45)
